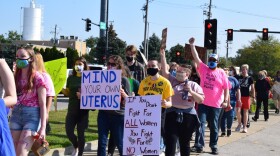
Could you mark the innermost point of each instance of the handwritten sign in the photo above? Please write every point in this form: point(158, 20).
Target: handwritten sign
point(202, 53)
point(163, 39)
point(100, 89)
point(57, 69)
point(142, 125)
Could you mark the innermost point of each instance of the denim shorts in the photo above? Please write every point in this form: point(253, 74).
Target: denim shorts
point(25, 118)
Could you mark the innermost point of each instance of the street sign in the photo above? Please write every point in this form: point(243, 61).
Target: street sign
point(102, 25)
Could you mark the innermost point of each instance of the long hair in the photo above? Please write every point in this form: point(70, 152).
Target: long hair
point(120, 65)
point(30, 73)
point(40, 63)
point(82, 59)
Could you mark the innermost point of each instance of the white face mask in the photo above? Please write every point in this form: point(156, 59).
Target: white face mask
point(181, 76)
point(79, 68)
point(230, 73)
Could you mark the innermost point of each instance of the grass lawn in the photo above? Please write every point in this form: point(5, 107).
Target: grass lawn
point(57, 137)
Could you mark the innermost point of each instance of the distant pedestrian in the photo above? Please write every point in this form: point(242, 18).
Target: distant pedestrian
point(31, 102)
point(76, 117)
point(246, 86)
point(214, 83)
point(262, 91)
point(7, 83)
point(235, 99)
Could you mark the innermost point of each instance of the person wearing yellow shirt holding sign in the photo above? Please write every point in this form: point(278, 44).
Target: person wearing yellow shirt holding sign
point(155, 84)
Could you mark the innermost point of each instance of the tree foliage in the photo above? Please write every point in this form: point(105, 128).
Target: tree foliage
point(260, 55)
point(180, 59)
point(71, 55)
point(11, 36)
point(153, 47)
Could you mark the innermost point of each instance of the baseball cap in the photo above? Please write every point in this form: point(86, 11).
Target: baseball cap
point(215, 56)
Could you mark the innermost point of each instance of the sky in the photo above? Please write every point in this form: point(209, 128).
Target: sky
point(183, 18)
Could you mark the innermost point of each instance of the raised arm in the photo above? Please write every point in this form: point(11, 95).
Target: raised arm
point(164, 71)
point(194, 52)
point(8, 82)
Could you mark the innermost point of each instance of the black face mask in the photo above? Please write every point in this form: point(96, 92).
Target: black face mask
point(129, 58)
point(152, 71)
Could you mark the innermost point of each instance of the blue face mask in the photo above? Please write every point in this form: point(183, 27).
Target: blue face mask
point(212, 64)
point(173, 72)
point(22, 63)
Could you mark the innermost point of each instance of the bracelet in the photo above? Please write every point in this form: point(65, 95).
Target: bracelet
point(225, 101)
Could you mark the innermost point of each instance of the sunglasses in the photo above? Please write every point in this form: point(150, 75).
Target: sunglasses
point(213, 60)
point(111, 64)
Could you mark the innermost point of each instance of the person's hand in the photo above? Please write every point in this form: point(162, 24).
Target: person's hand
point(162, 52)
point(164, 103)
point(42, 133)
point(187, 88)
point(224, 104)
point(191, 41)
point(123, 93)
point(78, 95)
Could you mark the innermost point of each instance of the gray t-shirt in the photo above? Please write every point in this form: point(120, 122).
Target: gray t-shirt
point(177, 100)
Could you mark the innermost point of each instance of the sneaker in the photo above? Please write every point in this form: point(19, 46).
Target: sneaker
point(265, 119)
point(214, 151)
point(238, 128)
point(255, 119)
point(196, 149)
point(229, 132)
point(223, 134)
point(248, 124)
point(245, 130)
point(75, 152)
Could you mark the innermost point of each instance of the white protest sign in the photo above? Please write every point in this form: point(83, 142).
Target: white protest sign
point(142, 122)
point(100, 89)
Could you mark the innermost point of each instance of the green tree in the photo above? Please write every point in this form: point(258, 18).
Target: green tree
point(71, 55)
point(260, 55)
point(11, 36)
point(180, 59)
point(116, 46)
point(153, 47)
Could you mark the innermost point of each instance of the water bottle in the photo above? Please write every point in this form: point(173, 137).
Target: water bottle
point(35, 135)
point(185, 92)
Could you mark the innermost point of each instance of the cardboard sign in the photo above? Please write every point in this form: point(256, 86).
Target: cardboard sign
point(57, 69)
point(202, 53)
point(100, 89)
point(142, 125)
point(163, 40)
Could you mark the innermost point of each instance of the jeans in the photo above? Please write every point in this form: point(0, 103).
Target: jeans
point(212, 114)
point(175, 130)
point(115, 124)
point(227, 118)
point(265, 108)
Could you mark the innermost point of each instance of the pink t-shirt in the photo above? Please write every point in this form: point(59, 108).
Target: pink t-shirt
point(31, 98)
point(213, 83)
point(49, 84)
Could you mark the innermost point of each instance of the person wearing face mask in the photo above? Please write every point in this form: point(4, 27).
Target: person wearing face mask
point(262, 88)
point(173, 68)
point(182, 116)
point(137, 70)
point(76, 116)
point(214, 83)
point(155, 84)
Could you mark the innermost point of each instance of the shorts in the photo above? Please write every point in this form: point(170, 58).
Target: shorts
point(276, 97)
point(245, 100)
point(25, 118)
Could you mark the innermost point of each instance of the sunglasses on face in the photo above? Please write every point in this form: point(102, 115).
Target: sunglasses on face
point(212, 60)
point(111, 64)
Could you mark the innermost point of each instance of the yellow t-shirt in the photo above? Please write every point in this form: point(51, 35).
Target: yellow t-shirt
point(160, 86)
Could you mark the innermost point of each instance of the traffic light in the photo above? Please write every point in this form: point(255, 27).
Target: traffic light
point(178, 54)
point(210, 34)
point(265, 34)
point(229, 34)
point(88, 24)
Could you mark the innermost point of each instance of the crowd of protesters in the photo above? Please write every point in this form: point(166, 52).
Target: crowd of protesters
point(192, 96)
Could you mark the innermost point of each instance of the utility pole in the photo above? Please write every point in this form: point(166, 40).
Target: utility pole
point(209, 12)
point(145, 8)
point(107, 30)
point(55, 40)
point(227, 53)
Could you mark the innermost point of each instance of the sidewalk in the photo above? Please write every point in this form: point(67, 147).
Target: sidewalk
point(262, 139)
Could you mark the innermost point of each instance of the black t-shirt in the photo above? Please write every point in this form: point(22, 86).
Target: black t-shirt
point(262, 88)
point(245, 83)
